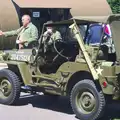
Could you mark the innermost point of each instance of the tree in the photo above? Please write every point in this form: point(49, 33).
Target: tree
point(115, 5)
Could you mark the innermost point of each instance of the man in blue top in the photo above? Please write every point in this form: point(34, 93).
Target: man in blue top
point(95, 32)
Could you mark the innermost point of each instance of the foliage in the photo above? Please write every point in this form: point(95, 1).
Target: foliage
point(115, 5)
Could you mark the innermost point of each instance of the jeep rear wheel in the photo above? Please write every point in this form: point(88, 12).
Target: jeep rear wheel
point(87, 102)
point(9, 87)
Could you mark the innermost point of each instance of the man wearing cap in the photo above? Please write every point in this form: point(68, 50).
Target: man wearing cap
point(26, 34)
point(51, 35)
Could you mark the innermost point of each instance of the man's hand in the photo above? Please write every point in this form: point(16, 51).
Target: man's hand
point(17, 41)
point(1, 33)
point(22, 41)
point(45, 34)
point(20, 46)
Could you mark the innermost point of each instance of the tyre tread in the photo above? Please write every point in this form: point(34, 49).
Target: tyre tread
point(16, 83)
point(102, 99)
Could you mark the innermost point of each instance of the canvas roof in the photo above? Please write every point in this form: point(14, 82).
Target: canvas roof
point(78, 7)
point(88, 19)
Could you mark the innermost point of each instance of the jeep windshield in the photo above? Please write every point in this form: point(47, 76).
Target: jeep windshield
point(86, 21)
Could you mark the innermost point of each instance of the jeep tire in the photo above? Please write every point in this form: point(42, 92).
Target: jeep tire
point(86, 101)
point(9, 87)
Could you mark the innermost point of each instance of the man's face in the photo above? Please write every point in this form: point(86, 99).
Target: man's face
point(50, 29)
point(25, 20)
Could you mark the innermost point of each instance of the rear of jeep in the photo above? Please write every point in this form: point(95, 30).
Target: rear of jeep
point(87, 79)
point(90, 94)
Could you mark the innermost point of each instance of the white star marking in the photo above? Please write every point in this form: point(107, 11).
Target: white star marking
point(99, 71)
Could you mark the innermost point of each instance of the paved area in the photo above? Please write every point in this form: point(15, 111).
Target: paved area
point(44, 108)
point(38, 107)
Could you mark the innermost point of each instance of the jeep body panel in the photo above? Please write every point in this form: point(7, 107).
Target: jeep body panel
point(110, 74)
point(23, 68)
point(60, 79)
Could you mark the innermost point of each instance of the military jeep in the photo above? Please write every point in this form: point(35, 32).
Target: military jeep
point(68, 67)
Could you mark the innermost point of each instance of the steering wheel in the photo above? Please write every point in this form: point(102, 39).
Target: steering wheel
point(59, 53)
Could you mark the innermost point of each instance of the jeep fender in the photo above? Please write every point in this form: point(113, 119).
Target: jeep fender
point(19, 68)
point(75, 70)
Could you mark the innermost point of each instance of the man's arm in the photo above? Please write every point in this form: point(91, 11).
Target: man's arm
point(34, 35)
point(58, 36)
point(12, 33)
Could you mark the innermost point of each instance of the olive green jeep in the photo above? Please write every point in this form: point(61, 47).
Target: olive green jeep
point(69, 67)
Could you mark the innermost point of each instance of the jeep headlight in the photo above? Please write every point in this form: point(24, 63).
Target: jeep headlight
point(34, 51)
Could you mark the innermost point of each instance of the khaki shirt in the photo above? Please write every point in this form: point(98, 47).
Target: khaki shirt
point(55, 36)
point(29, 33)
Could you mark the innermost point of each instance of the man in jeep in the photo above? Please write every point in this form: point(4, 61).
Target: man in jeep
point(51, 34)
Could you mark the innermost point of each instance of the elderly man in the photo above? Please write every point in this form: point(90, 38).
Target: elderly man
point(26, 34)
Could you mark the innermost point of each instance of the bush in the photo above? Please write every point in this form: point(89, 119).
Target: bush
point(115, 5)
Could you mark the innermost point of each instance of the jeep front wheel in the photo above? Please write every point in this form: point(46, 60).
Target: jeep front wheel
point(86, 101)
point(9, 87)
